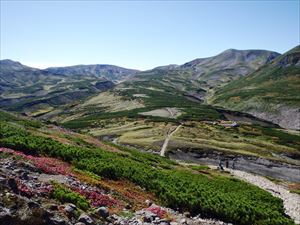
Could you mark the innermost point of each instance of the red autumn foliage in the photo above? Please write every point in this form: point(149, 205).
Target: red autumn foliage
point(55, 166)
point(43, 190)
point(46, 164)
point(161, 213)
point(97, 199)
point(24, 190)
point(50, 165)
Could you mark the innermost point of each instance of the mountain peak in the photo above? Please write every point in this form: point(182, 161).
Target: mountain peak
point(10, 64)
point(230, 50)
point(232, 57)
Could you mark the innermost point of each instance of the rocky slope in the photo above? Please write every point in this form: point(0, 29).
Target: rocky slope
point(270, 93)
point(29, 196)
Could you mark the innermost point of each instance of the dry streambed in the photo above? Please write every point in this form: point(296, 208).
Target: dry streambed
point(291, 201)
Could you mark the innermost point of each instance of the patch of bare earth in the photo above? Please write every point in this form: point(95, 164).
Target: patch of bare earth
point(163, 112)
point(291, 201)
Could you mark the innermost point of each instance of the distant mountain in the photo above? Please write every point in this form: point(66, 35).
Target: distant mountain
point(228, 65)
point(7, 65)
point(110, 72)
point(271, 92)
point(14, 75)
point(196, 78)
point(35, 91)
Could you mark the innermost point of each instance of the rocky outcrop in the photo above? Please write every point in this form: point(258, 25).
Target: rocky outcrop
point(275, 169)
point(155, 215)
point(284, 116)
point(26, 198)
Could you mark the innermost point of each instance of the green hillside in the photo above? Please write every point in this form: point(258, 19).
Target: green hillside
point(36, 92)
point(210, 192)
point(271, 92)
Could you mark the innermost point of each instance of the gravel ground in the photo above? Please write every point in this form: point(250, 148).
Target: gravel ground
point(291, 201)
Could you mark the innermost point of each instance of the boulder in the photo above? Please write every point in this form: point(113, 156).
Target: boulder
point(148, 202)
point(187, 214)
point(53, 207)
point(128, 206)
point(84, 218)
point(70, 208)
point(183, 221)
point(57, 221)
point(103, 212)
point(24, 176)
point(149, 216)
point(12, 184)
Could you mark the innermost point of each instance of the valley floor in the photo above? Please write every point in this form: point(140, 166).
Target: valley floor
point(195, 188)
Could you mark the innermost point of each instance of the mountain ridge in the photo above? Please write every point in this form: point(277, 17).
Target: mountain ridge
point(268, 93)
point(195, 80)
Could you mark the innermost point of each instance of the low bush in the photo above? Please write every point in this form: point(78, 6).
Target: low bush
point(217, 197)
point(65, 195)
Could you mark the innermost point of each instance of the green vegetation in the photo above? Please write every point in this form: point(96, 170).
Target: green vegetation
point(282, 137)
point(157, 99)
point(199, 167)
point(272, 86)
point(245, 139)
point(296, 191)
point(65, 195)
point(213, 196)
point(25, 122)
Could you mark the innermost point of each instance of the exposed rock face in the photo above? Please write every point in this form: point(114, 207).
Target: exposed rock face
point(285, 117)
point(146, 217)
point(103, 212)
point(256, 165)
point(292, 59)
point(84, 218)
point(26, 199)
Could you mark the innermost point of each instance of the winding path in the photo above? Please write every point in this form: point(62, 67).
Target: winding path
point(166, 142)
point(291, 201)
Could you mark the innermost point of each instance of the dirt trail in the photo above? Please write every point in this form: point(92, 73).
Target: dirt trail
point(291, 201)
point(166, 142)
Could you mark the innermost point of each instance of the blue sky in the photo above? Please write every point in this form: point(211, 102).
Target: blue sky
point(142, 34)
